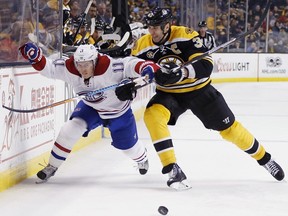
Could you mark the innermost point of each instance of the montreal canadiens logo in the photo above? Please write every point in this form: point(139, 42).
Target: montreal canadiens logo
point(31, 52)
point(95, 98)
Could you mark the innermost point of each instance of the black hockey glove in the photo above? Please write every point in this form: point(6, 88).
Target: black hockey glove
point(126, 91)
point(167, 74)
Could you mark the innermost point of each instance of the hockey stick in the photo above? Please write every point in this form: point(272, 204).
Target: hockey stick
point(118, 48)
point(115, 37)
point(140, 82)
point(83, 18)
point(224, 45)
point(112, 36)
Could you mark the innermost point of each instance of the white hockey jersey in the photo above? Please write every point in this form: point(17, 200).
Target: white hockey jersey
point(108, 71)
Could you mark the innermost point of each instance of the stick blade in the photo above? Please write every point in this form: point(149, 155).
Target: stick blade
point(19, 110)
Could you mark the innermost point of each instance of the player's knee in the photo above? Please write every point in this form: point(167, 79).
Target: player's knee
point(231, 133)
point(72, 130)
point(238, 135)
point(156, 114)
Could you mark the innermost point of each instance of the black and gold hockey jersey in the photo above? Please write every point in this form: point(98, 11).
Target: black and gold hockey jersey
point(183, 44)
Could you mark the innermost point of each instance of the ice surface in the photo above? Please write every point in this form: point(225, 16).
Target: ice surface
point(99, 180)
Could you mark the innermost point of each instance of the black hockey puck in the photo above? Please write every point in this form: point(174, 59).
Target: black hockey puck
point(163, 210)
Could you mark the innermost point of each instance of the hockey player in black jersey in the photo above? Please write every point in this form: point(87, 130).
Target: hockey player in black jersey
point(187, 89)
point(207, 38)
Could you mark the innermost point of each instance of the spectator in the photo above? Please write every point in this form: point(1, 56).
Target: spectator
point(252, 48)
point(271, 46)
point(98, 31)
point(83, 36)
point(66, 12)
point(257, 10)
point(102, 13)
point(236, 48)
point(91, 18)
point(75, 10)
point(222, 37)
point(280, 48)
point(276, 28)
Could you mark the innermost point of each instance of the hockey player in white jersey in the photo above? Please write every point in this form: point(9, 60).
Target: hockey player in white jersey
point(85, 71)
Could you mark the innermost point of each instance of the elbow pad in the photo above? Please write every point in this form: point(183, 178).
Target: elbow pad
point(199, 69)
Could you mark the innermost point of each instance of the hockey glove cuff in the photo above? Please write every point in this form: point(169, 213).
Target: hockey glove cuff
point(190, 71)
point(147, 69)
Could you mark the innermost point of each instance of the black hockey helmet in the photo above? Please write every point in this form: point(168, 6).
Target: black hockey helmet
point(202, 24)
point(99, 25)
point(108, 29)
point(158, 17)
point(77, 21)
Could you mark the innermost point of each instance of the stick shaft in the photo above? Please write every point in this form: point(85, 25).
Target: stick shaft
point(83, 18)
point(141, 81)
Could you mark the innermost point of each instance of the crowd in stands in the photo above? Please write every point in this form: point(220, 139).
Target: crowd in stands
point(225, 20)
point(18, 25)
point(230, 21)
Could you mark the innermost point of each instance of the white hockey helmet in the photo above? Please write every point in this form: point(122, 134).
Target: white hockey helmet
point(86, 52)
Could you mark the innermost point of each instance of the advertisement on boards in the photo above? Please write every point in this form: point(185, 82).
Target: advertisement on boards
point(25, 135)
point(234, 65)
point(273, 65)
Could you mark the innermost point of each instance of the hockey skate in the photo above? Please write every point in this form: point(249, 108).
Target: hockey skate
point(46, 173)
point(143, 167)
point(177, 179)
point(274, 169)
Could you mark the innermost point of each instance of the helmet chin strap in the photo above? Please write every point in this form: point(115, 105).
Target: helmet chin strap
point(163, 38)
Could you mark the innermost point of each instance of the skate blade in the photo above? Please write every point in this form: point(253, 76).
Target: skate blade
point(180, 186)
point(41, 181)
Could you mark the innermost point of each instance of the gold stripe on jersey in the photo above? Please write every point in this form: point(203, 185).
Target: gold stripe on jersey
point(187, 85)
point(207, 58)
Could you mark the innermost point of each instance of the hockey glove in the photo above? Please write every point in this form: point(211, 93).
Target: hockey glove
point(126, 91)
point(169, 74)
point(31, 52)
point(148, 71)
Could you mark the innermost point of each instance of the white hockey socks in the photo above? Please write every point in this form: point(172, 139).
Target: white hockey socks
point(69, 134)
